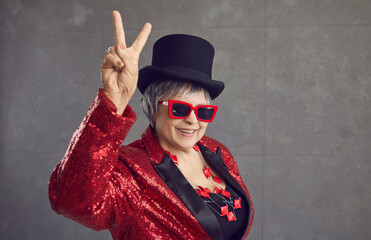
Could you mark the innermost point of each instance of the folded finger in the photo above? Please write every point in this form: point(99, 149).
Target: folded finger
point(112, 61)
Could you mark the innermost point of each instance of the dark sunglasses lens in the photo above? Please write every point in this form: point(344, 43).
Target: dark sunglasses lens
point(180, 110)
point(205, 113)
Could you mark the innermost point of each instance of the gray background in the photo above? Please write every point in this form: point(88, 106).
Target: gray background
point(295, 112)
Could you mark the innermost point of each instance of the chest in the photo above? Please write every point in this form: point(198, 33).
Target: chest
point(194, 172)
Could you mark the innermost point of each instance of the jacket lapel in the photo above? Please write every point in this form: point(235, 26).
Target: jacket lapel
point(216, 160)
point(175, 180)
point(171, 175)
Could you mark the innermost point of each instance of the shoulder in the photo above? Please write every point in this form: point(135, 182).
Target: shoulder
point(135, 147)
point(134, 156)
point(138, 144)
point(133, 150)
point(213, 145)
point(228, 159)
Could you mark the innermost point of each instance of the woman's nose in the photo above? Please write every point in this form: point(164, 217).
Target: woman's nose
point(192, 117)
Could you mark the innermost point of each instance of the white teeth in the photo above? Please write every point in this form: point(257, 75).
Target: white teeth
point(187, 131)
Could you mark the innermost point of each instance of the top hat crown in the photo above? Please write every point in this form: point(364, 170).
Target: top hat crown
point(181, 57)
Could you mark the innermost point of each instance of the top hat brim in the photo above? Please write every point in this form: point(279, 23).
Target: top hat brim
point(150, 74)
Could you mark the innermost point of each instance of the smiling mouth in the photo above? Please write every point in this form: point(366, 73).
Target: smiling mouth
point(186, 131)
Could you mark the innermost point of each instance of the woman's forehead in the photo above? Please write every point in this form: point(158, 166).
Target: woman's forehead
point(191, 97)
point(187, 92)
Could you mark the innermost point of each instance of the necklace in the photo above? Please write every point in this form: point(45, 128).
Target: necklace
point(224, 210)
point(221, 193)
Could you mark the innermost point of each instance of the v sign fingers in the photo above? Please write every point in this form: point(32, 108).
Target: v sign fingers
point(130, 56)
point(120, 67)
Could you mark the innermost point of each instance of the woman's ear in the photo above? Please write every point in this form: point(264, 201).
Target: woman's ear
point(153, 117)
point(153, 123)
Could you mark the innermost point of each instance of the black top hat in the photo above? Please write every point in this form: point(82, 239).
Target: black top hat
point(181, 57)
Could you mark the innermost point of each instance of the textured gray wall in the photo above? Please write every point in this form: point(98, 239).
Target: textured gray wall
point(295, 112)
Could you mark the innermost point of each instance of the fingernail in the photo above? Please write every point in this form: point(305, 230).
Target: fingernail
point(119, 63)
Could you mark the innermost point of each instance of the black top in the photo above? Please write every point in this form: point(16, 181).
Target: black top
point(231, 229)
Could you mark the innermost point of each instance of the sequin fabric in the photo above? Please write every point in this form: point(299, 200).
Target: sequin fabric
point(104, 185)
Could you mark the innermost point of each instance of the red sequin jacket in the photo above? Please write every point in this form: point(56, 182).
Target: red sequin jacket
point(135, 191)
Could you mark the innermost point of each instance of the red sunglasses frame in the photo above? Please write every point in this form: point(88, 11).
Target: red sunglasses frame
point(169, 103)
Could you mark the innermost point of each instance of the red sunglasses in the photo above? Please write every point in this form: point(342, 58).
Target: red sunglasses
point(179, 110)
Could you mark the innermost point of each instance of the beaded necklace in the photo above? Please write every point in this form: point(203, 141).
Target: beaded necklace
point(219, 192)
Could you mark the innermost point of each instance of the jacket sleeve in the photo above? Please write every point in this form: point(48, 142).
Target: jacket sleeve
point(87, 184)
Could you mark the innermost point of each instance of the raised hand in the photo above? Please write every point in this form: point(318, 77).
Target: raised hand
point(120, 66)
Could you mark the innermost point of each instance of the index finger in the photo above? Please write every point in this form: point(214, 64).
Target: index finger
point(118, 28)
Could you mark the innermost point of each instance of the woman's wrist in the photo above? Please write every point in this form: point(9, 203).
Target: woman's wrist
point(119, 100)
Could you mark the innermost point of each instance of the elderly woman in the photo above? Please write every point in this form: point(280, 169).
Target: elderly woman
point(173, 183)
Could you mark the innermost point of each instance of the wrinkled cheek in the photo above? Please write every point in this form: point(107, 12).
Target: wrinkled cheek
point(201, 134)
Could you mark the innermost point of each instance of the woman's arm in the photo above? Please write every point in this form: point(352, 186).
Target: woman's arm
point(83, 185)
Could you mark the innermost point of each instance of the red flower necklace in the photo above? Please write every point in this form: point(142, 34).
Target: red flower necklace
point(223, 194)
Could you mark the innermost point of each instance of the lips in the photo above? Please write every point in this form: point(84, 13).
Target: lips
point(186, 132)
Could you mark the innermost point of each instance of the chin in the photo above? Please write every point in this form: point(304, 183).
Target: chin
point(186, 143)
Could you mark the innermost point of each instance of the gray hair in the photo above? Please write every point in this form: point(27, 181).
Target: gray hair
point(163, 89)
